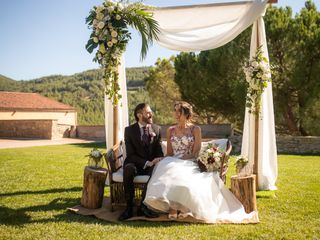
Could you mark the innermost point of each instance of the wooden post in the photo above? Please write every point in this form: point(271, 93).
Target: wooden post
point(115, 124)
point(244, 188)
point(93, 187)
point(256, 129)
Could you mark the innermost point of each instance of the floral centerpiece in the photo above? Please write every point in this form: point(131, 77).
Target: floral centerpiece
point(257, 72)
point(241, 163)
point(95, 158)
point(210, 158)
point(109, 23)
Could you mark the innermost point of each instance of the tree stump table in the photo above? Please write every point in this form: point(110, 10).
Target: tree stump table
point(244, 188)
point(93, 187)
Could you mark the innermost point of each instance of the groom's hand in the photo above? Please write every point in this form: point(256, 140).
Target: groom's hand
point(156, 160)
point(148, 164)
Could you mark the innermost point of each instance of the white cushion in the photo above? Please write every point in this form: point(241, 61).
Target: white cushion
point(220, 143)
point(118, 177)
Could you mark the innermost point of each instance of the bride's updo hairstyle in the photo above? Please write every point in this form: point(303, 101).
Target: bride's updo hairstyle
point(185, 109)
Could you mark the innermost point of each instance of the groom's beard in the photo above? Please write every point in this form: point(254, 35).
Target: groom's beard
point(147, 120)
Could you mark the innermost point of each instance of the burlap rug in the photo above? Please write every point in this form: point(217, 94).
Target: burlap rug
point(104, 213)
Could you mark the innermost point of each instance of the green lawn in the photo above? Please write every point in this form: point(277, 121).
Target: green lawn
point(37, 185)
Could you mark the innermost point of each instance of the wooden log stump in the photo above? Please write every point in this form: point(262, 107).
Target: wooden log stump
point(93, 187)
point(244, 188)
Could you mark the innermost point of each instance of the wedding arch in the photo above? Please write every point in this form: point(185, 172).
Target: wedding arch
point(197, 28)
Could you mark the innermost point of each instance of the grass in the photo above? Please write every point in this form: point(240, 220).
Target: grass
point(37, 185)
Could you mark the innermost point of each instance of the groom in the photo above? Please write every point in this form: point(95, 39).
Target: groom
point(143, 147)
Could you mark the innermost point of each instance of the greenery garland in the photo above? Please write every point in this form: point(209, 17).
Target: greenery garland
point(258, 75)
point(109, 23)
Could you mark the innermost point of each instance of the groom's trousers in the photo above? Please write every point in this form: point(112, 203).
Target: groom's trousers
point(130, 170)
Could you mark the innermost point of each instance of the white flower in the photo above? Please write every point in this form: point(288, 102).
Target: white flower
point(120, 6)
point(96, 153)
point(114, 34)
point(110, 44)
point(95, 39)
point(114, 40)
point(99, 9)
point(118, 17)
point(254, 64)
point(101, 25)
point(216, 154)
point(99, 16)
point(110, 9)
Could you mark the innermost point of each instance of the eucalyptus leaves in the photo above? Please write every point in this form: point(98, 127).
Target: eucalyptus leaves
point(109, 23)
point(257, 72)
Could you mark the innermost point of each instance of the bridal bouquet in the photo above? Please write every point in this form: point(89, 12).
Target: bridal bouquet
point(210, 158)
point(95, 158)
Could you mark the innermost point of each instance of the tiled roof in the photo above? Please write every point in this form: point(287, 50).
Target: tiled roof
point(30, 102)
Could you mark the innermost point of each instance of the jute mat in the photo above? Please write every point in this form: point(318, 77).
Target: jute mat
point(105, 213)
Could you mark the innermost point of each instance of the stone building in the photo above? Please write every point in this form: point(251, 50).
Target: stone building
point(30, 115)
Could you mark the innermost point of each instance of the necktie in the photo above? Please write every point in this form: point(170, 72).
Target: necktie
point(145, 136)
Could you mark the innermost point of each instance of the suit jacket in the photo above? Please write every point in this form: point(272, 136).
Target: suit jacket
point(137, 153)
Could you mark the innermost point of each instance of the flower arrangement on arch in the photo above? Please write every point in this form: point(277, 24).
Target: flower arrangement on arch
point(109, 23)
point(210, 158)
point(258, 74)
point(95, 158)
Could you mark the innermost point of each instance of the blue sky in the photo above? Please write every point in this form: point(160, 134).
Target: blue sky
point(40, 38)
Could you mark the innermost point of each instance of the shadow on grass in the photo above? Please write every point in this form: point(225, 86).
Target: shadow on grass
point(53, 190)
point(20, 217)
point(90, 145)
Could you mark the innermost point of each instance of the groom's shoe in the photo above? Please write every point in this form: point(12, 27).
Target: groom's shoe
point(128, 213)
point(144, 211)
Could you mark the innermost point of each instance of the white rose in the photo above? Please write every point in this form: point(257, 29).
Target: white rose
point(110, 9)
point(110, 44)
point(95, 39)
point(99, 16)
point(101, 25)
point(114, 40)
point(120, 6)
point(254, 64)
point(114, 34)
point(118, 17)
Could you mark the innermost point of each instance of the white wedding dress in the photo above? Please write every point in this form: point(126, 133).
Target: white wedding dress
point(179, 184)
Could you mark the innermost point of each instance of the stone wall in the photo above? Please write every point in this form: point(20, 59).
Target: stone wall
point(26, 128)
point(91, 132)
point(46, 129)
point(286, 144)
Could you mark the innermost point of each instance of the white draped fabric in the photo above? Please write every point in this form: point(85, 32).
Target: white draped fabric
point(204, 27)
point(267, 150)
point(123, 120)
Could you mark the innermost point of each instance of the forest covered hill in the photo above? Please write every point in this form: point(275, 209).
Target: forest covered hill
point(81, 90)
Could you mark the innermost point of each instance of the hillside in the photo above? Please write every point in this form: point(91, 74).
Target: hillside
point(81, 90)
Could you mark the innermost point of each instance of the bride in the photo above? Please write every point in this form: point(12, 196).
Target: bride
point(177, 186)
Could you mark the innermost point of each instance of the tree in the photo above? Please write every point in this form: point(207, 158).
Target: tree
point(294, 48)
point(162, 89)
point(213, 81)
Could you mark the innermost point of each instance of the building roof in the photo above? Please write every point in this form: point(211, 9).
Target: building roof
point(14, 101)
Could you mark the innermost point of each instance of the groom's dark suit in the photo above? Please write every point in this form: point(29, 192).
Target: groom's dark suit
point(138, 153)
